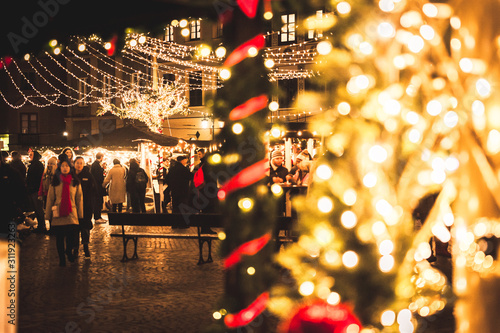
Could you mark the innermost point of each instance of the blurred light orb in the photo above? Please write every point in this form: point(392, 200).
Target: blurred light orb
point(386, 263)
point(386, 247)
point(427, 32)
point(133, 42)
point(274, 106)
point(450, 119)
point(220, 52)
point(386, 5)
point(350, 197)
point(325, 204)
point(225, 74)
point(377, 154)
point(350, 259)
point(434, 107)
point(348, 219)
point(416, 44)
point(252, 51)
point(81, 47)
point(478, 108)
point(370, 180)
point(269, 63)
point(388, 318)
point(306, 288)
point(430, 10)
point(344, 108)
point(386, 30)
point(324, 47)
point(237, 128)
point(185, 32)
point(324, 172)
point(366, 48)
point(483, 88)
point(344, 7)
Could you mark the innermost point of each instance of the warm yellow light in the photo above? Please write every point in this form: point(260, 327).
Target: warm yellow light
point(217, 315)
point(465, 65)
point(414, 135)
point(57, 50)
point(386, 30)
point(205, 51)
point(53, 42)
point(478, 108)
point(221, 235)
point(107, 45)
point(274, 106)
point(81, 47)
point(216, 158)
point(220, 52)
point(350, 259)
point(348, 219)
point(450, 119)
point(323, 235)
point(483, 88)
point(455, 44)
point(350, 197)
point(388, 318)
point(142, 39)
point(455, 22)
point(275, 132)
point(370, 179)
point(269, 63)
point(366, 48)
point(427, 32)
point(493, 142)
point(333, 299)
point(434, 107)
point(377, 154)
point(268, 15)
point(343, 8)
point(412, 117)
point(245, 204)
point(325, 204)
point(430, 10)
point(185, 32)
point(183, 23)
point(416, 44)
point(404, 316)
point(306, 288)
point(252, 51)
point(324, 47)
point(379, 228)
point(250, 270)
point(392, 107)
point(225, 74)
point(174, 23)
point(276, 189)
point(133, 42)
point(237, 128)
point(353, 328)
point(410, 19)
point(386, 263)
point(324, 172)
point(27, 56)
point(386, 247)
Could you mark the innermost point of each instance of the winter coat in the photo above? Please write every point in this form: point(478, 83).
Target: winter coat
point(54, 199)
point(34, 175)
point(179, 177)
point(89, 190)
point(98, 173)
point(19, 166)
point(117, 191)
point(45, 184)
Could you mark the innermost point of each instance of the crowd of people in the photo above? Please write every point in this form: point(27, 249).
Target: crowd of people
point(68, 194)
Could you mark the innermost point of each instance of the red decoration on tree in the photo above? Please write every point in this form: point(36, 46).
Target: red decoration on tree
point(246, 316)
point(244, 178)
point(321, 317)
point(249, 248)
point(249, 107)
point(6, 61)
point(241, 52)
point(249, 7)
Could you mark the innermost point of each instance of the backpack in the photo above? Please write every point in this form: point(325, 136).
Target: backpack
point(141, 179)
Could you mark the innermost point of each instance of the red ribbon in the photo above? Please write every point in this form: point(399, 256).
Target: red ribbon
point(249, 107)
point(244, 178)
point(245, 316)
point(249, 248)
point(241, 52)
point(249, 7)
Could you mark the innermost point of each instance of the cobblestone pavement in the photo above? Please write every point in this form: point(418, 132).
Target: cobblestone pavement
point(164, 291)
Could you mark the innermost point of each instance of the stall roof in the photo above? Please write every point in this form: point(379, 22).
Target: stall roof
point(127, 136)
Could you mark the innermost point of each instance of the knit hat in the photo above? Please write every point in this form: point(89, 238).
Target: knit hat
point(276, 154)
point(304, 156)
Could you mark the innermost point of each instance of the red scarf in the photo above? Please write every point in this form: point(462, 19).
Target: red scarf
point(65, 208)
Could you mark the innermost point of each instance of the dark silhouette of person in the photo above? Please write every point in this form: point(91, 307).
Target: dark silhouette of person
point(178, 180)
point(137, 191)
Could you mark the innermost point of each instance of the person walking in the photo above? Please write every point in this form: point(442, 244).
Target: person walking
point(47, 177)
point(89, 189)
point(117, 190)
point(97, 172)
point(179, 177)
point(65, 207)
point(137, 181)
point(33, 180)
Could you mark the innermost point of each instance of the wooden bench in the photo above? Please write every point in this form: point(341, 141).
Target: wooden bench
point(199, 221)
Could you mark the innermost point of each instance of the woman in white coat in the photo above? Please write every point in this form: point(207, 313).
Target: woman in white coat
point(117, 191)
point(64, 207)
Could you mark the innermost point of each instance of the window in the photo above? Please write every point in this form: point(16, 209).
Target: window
point(195, 89)
point(169, 33)
point(312, 33)
point(29, 123)
point(195, 29)
point(288, 28)
point(219, 26)
point(82, 91)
